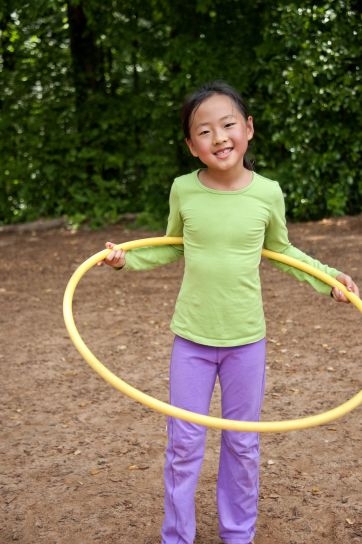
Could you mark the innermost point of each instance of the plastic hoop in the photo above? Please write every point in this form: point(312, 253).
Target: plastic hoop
point(173, 411)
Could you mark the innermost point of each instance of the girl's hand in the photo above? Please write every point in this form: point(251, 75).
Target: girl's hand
point(349, 283)
point(116, 258)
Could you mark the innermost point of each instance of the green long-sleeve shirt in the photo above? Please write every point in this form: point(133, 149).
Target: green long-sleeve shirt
point(220, 302)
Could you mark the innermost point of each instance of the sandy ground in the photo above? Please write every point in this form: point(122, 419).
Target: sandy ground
point(81, 463)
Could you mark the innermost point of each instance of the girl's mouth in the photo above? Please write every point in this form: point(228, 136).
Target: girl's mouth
point(223, 153)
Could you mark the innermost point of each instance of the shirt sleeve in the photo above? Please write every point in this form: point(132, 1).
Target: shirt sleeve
point(276, 239)
point(146, 258)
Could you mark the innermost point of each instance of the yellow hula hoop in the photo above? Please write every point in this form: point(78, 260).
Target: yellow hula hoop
point(168, 409)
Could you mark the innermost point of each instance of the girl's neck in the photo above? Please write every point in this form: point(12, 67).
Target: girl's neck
point(225, 181)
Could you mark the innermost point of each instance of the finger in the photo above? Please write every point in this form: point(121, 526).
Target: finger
point(341, 297)
point(352, 288)
point(120, 257)
point(108, 258)
point(350, 285)
point(338, 295)
point(114, 253)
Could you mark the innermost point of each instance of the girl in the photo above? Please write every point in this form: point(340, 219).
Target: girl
point(226, 214)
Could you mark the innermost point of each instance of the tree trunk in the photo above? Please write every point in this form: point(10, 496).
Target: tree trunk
point(87, 58)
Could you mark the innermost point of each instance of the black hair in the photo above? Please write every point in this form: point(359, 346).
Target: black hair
point(195, 99)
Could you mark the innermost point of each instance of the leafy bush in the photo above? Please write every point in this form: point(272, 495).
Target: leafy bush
point(309, 87)
point(90, 96)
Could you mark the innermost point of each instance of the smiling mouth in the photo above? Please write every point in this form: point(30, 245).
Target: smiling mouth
point(222, 153)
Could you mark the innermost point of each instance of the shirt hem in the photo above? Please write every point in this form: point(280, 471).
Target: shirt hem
point(218, 342)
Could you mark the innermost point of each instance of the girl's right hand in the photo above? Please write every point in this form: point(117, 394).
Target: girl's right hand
point(115, 258)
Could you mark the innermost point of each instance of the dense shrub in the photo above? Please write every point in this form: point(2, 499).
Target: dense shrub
point(90, 96)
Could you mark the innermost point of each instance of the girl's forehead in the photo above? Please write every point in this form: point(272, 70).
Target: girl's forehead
point(215, 107)
point(218, 101)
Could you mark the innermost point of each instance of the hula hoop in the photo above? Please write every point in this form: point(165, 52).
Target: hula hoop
point(173, 411)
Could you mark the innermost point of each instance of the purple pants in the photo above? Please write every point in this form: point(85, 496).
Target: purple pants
point(193, 372)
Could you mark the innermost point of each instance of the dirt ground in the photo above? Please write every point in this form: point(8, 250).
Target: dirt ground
point(80, 463)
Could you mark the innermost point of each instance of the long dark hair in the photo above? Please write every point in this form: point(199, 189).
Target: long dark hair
point(195, 99)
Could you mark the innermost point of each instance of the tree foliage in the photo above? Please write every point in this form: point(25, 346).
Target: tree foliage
point(311, 110)
point(90, 95)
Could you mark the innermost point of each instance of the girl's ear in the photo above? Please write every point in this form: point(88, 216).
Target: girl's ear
point(250, 127)
point(191, 147)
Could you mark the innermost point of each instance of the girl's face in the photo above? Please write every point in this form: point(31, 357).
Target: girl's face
point(219, 133)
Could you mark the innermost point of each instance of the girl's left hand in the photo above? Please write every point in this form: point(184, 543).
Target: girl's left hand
point(350, 285)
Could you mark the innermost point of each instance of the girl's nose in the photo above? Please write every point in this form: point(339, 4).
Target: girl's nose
point(219, 137)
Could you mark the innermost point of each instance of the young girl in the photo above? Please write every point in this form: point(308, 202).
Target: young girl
point(226, 214)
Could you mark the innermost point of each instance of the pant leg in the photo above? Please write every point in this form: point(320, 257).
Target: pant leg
point(192, 380)
point(242, 376)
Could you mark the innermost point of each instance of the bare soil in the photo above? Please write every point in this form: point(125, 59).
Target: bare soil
point(81, 463)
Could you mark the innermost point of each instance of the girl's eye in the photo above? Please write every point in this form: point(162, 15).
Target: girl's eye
point(229, 125)
point(204, 132)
